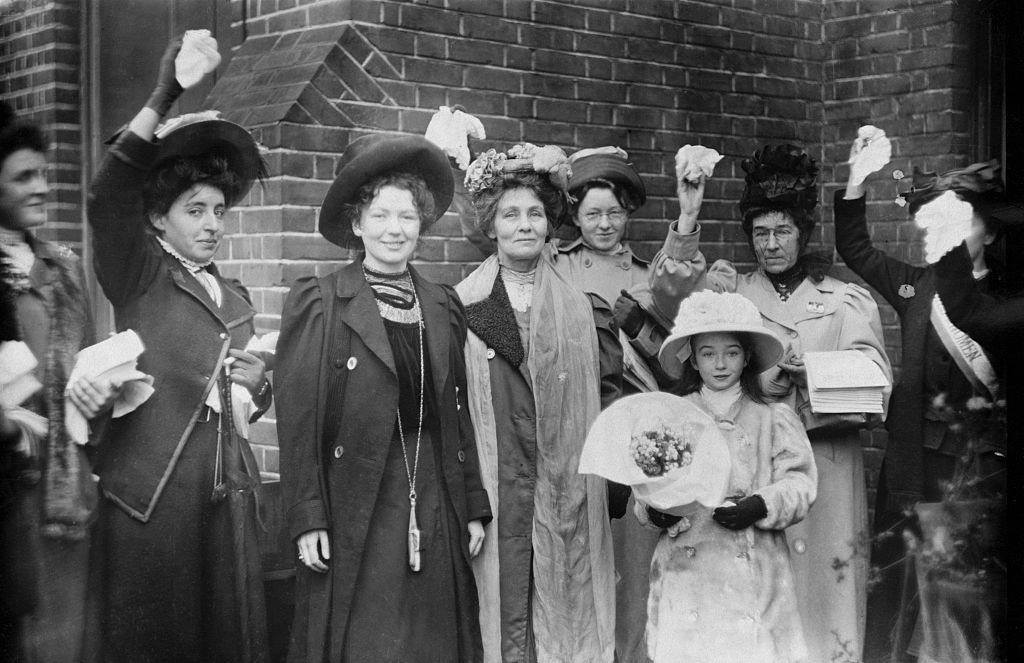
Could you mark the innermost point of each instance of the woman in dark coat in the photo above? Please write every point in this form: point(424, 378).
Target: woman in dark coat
point(542, 359)
point(176, 564)
point(922, 449)
point(378, 465)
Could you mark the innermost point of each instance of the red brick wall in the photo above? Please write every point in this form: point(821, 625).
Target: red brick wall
point(39, 76)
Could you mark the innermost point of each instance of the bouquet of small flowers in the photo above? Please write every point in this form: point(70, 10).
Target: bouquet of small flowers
point(660, 450)
point(665, 447)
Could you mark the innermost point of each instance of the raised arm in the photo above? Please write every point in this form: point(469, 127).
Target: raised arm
point(125, 258)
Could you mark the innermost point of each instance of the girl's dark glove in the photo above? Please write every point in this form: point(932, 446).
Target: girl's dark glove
point(662, 520)
point(747, 511)
point(167, 88)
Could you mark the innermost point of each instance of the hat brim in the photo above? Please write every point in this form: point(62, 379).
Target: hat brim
point(608, 167)
point(371, 156)
point(231, 140)
point(676, 348)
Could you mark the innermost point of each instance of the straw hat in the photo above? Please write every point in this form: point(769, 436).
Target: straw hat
point(718, 312)
point(377, 154)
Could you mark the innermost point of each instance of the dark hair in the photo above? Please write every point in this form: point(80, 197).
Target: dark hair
point(18, 134)
point(691, 381)
point(621, 193)
point(172, 177)
point(485, 201)
point(422, 198)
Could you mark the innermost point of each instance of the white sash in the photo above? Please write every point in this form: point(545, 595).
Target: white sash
point(970, 358)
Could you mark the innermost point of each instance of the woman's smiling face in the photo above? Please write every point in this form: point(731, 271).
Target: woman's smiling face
point(389, 226)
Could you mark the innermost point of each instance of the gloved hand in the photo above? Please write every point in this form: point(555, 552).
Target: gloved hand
point(745, 513)
point(662, 520)
point(167, 88)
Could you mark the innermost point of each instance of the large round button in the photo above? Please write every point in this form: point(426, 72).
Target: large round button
point(339, 451)
point(587, 262)
point(352, 363)
point(462, 456)
point(490, 353)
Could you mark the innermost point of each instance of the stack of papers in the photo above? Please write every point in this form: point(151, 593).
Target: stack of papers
point(844, 381)
point(114, 359)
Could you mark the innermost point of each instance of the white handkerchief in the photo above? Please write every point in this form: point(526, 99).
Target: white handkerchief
point(198, 56)
point(17, 381)
point(694, 161)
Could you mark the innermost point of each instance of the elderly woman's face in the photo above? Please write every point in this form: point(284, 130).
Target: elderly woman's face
point(776, 241)
point(602, 220)
point(390, 227)
point(520, 228)
point(194, 225)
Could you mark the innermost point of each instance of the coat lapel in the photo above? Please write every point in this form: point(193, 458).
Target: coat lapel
point(434, 305)
point(361, 314)
point(757, 288)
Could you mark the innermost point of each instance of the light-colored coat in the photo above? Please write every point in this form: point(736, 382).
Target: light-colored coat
point(719, 595)
point(830, 563)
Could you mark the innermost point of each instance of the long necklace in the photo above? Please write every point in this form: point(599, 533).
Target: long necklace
point(414, 530)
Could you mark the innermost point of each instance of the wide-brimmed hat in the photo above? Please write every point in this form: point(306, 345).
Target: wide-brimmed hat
point(779, 177)
point(377, 154)
point(196, 134)
point(718, 312)
point(606, 163)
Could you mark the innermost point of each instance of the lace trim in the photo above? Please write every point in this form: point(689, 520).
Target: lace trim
point(191, 265)
point(395, 295)
point(519, 286)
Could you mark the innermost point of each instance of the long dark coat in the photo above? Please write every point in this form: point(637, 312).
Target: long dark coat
point(157, 464)
point(333, 484)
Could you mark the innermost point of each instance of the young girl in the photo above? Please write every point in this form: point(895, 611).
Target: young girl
point(721, 585)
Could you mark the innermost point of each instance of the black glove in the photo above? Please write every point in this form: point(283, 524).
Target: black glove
point(747, 511)
point(618, 497)
point(662, 520)
point(167, 88)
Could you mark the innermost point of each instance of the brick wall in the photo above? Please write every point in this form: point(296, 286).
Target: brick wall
point(647, 75)
point(39, 76)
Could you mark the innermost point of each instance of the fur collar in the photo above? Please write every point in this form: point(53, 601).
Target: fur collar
point(494, 321)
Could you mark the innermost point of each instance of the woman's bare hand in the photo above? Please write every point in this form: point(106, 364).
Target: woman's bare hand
point(247, 369)
point(314, 550)
point(476, 538)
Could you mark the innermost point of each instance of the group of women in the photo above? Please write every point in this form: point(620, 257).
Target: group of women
point(430, 435)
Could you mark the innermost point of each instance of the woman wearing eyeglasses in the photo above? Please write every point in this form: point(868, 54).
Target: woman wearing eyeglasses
point(811, 311)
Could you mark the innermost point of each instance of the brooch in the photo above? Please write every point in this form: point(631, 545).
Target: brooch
point(816, 307)
point(906, 291)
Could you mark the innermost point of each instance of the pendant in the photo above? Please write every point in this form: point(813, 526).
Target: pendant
point(414, 537)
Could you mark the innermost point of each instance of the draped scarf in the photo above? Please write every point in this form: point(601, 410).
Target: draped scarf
point(573, 599)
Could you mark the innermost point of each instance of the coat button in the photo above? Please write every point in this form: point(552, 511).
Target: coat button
point(490, 353)
point(462, 456)
point(587, 262)
point(223, 336)
point(625, 266)
point(791, 334)
point(352, 363)
point(339, 451)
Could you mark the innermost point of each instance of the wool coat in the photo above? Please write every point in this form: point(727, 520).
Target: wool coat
point(158, 464)
point(333, 341)
point(720, 595)
point(823, 316)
